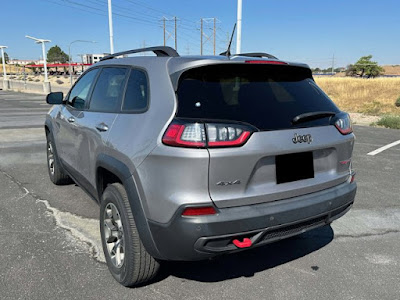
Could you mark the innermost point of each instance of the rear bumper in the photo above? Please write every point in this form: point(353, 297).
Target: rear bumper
point(195, 238)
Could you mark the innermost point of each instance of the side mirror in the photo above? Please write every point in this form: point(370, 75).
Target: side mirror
point(55, 98)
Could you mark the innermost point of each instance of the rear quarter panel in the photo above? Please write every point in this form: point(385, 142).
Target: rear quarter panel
point(134, 135)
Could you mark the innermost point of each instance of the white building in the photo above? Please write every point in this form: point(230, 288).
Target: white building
point(92, 58)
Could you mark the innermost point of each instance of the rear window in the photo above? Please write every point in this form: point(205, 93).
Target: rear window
point(265, 96)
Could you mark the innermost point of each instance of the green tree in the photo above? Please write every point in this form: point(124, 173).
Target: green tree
point(56, 55)
point(6, 58)
point(365, 67)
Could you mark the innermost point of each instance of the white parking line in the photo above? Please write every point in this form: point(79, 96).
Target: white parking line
point(379, 150)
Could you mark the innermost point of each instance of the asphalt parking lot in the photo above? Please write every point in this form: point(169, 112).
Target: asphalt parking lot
point(50, 236)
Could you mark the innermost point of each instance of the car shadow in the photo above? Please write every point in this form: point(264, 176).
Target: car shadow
point(248, 263)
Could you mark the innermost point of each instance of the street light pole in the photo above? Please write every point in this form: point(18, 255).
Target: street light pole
point(46, 83)
point(5, 81)
point(70, 58)
point(239, 27)
point(110, 25)
point(46, 79)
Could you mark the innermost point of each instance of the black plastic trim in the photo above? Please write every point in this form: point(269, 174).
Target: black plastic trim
point(120, 170)
point(160, 51)
point(178, 239)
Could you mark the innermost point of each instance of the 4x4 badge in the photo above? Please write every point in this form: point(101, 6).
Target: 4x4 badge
point(307, 138)
point(224, 183)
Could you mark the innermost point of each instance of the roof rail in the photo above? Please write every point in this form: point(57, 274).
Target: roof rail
point(161, 51)
point(256, 54)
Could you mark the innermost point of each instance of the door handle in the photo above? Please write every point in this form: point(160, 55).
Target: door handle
point(71, 119)
point(102, 127)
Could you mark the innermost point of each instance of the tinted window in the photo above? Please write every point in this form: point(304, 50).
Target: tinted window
point(79, 93)
point(136, 96)
point(266, 96)
point(107, 93)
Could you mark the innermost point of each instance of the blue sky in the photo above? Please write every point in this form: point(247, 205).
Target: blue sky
point(310, 31)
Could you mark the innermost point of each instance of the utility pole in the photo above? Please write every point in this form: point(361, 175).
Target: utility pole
point(239, 27)
point(164, 29)
point(173, 33)
point(110, 25)
point(333, 63)
point(205, 37)
point(201, 36)
point(175, 36)
point(214, 34)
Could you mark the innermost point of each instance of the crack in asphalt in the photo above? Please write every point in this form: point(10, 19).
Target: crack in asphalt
point(68, 221)
point(339, 236)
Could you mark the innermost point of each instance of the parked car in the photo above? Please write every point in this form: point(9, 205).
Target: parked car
point(194, 157)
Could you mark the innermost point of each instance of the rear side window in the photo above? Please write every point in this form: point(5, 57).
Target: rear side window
point(136, 96)
point(107, 93)
point(265, 96)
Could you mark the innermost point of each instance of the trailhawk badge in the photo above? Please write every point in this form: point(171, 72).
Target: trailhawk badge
point(307, 138)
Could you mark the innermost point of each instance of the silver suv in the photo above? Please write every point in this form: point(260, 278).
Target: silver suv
point(193, 157)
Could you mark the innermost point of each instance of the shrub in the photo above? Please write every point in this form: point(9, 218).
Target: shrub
point(397, 103)
point(389, 122)
point(37, 80)
point(59, 81)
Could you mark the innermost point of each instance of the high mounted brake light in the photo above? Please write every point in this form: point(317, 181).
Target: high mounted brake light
point(206, 135)
point(270, 62)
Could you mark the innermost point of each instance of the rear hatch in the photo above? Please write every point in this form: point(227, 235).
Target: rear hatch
point(293, 147)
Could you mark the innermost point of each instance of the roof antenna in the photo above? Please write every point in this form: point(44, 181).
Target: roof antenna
point(228, 51)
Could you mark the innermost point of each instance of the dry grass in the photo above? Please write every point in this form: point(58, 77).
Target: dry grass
point(368, 96)
point(14, 69)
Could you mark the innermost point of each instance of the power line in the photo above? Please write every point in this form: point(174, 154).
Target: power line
point(144, 4)
point(122, 10)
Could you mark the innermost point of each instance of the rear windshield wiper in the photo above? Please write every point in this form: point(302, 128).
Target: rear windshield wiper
point(312, 116)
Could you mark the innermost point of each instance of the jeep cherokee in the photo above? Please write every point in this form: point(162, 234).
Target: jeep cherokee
point(193, 157)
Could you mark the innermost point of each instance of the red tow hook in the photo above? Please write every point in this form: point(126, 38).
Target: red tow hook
point(245, 244)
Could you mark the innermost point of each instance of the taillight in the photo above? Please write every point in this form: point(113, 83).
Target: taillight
point(343, 124)
point(199, 211)
point(185, 135)
point(270, 62)
point(221, 135)
point(352, 177)
point(202, 135)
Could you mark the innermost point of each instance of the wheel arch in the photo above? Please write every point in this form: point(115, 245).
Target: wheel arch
point(48, 126)
point(117, 171)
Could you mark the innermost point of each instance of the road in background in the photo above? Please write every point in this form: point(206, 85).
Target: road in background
point(50, 234)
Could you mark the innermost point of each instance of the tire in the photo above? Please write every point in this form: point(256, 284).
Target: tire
point(56, 172)
point(119, 235)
